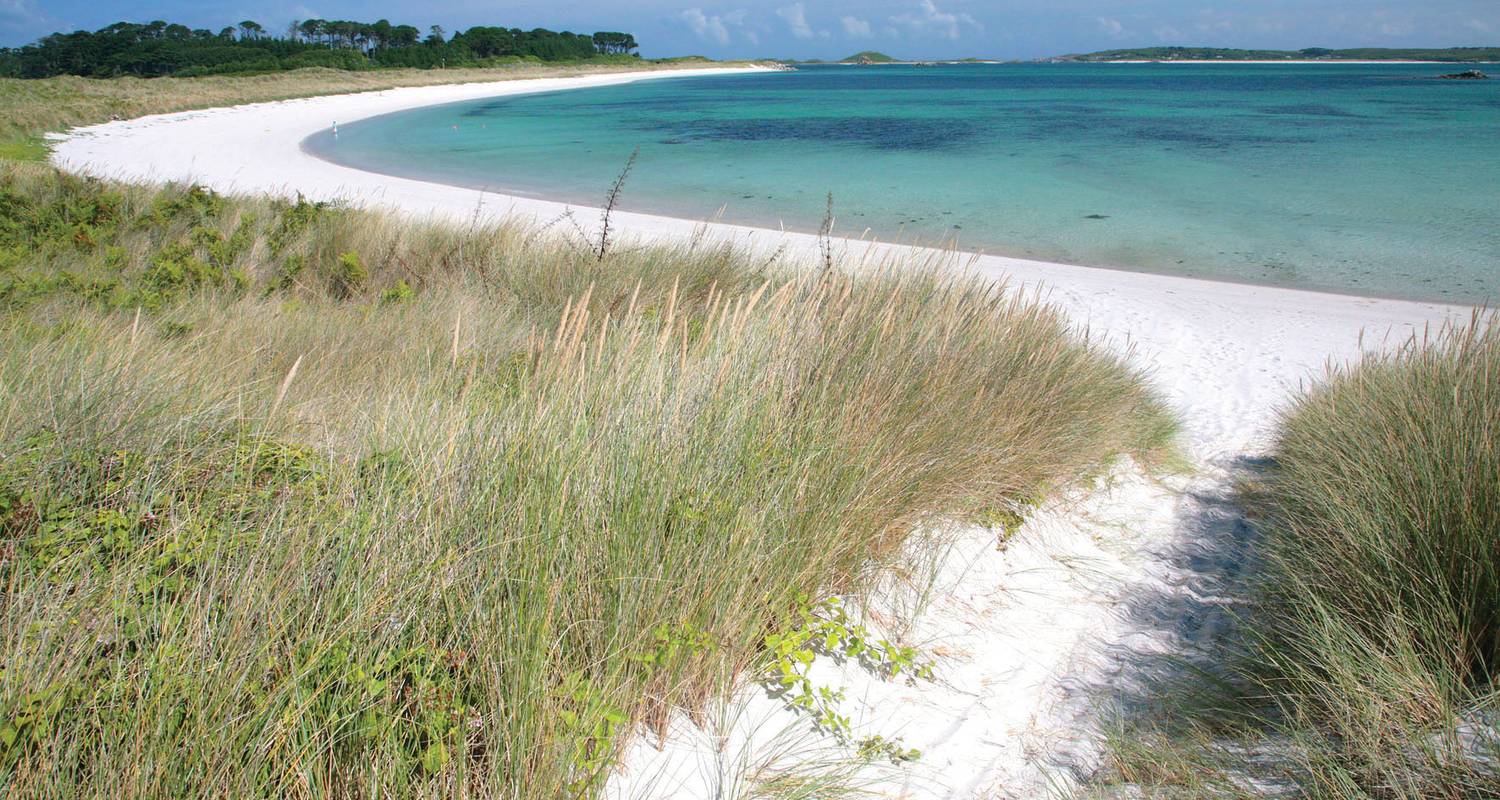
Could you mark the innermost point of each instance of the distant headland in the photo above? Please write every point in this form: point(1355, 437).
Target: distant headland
point(872, 57)
point(1439, 54)
point(1227, 55)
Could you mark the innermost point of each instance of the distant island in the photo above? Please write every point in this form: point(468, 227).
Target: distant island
point(1454, 55)
point(1446, 54)
point(862, 57)
point(871, 57)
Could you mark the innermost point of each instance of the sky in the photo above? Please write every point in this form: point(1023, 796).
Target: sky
point(916, 29)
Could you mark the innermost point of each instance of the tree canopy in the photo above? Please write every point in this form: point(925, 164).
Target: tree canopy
point(160, 48)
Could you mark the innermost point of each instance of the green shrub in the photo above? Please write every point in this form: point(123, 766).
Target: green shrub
point(400, 290)
point(349, 275)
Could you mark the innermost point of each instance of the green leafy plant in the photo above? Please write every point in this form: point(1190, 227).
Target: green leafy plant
point(825, 628)
point(415, 698)
point(590, 724)
point(1006, 519)
point(349, 275)
point(397, 292)
point(671, 645)
point(198, 203)
point(291, 220)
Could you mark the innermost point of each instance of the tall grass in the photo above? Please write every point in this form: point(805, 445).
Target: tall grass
point(301, 501)
point(1381, 629)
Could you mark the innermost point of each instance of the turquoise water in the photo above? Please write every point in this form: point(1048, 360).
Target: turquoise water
point(1374, 180)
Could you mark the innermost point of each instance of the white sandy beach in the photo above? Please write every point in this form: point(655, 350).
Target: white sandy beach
point(1026, 637)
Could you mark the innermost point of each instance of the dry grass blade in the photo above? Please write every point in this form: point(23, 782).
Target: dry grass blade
point(444, 582)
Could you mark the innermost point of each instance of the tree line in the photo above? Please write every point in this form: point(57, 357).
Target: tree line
point(159, 48)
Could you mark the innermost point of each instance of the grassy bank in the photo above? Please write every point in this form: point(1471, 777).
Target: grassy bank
point(1382, 624)
point(300, 501)
point(1365, 663)
point(35, 107)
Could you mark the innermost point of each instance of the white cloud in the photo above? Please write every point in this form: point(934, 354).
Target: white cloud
point(856, 28)
point(928, 19)
point(1479, 25)
point(17, 12)
point(796, 19)
point(1392, 23)
point(14, 9)
point(708, 28)
point(724, 27)
point(1113, 27)
point(1167, 33)
point(22, 19)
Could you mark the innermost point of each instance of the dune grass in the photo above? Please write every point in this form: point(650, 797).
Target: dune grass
point(32, 108)
point(302, 501)
point(1364, 665)
point(1381, 625)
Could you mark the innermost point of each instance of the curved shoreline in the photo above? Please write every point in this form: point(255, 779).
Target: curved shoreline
point(257, 149)
point(1033, 629)
point(959, 250)
point(1149, 244)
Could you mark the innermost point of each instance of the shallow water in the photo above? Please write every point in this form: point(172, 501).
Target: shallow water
point(1371, 179)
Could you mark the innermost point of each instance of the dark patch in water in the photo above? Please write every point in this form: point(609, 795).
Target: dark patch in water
point(488, 109)
point(1307, 110)
point(1196, 138)
point(1097, 216)
point(880, 133)
point(1214, 137)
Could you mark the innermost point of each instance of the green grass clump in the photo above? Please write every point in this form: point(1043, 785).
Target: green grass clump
point(26, 148)
point(1381, 624)
point(462, 520)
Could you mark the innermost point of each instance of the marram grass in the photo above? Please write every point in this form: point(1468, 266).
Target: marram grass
point(1364, 666)
point(300, 501)
point(1381, 620)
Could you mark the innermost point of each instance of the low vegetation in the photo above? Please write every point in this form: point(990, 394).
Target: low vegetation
point(303, 501)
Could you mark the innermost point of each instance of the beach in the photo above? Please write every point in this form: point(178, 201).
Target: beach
point(1027, 636)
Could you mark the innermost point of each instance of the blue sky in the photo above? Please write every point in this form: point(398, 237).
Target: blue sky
point(834, 28)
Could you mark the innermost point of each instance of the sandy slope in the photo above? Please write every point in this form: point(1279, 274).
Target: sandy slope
point(1028, 637)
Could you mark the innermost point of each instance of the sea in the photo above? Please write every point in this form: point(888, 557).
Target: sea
point(1379, 180)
